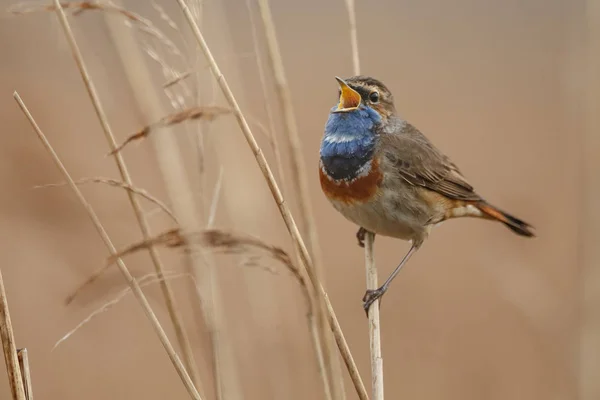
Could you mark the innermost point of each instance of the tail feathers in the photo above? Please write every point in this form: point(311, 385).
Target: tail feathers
point(514, 224)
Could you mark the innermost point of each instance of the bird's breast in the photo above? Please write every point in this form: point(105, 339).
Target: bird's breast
point(362, 188)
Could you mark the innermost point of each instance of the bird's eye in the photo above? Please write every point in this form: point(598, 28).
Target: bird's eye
point(374, 97)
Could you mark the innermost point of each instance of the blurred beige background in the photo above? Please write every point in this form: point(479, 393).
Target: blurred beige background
point(479, 313)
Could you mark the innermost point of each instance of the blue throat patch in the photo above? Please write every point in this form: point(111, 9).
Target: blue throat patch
point(349, 142)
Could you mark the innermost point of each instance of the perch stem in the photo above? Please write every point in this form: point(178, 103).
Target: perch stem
point(374, 322)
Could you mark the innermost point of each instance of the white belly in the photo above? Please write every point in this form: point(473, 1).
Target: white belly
point(377, 218)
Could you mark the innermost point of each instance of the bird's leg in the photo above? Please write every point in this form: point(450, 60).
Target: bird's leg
point(360, 235)
point(372, 295)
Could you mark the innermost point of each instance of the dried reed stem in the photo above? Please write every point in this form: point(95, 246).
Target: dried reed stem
point(177, 183)
point(7, 336)
point(374, 323)
point(25, 372)
point(353, 36)
point(263, 87)
point(277, 196)
point(316, 334)
point(137, 291)
point(300, 182)
point(172, 308)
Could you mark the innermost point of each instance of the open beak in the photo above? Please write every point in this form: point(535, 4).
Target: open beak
point(349, 99)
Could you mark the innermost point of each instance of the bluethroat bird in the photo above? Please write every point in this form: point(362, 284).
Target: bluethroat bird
point(383, 174)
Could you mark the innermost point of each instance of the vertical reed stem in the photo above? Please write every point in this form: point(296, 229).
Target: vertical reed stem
point(25, 372)
point(7, 336)
point(374, 323)
point(333, 384)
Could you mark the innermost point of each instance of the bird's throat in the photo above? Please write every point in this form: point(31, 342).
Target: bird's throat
point(347, 147)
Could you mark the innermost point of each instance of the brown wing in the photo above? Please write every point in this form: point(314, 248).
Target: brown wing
point(421, 164)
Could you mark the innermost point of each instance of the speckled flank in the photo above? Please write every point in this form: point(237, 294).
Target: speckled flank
point(358, 190)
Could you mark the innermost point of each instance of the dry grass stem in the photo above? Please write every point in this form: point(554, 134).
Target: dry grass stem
point(313, 322)
point(353, 36)
point(212, 212)
point(115, 183)
point(23, 356)
point(282, 206)
point(208, 113)
point(263, 87)
point(175, 80)
point(175, 177)
point(300, 183)
point(7, 336)
point(137, 291)
point(169, 298)
point(142, 281)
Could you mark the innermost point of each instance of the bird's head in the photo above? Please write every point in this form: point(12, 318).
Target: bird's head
point(364, 93)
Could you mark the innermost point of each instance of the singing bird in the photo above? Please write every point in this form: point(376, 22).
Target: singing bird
point(384, 175)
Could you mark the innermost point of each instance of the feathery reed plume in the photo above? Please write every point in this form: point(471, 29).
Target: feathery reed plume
point(208, 113)
point(185, 378)
point(25, 372)
point(118, 184)
point(7, 336)
point(142, 281)
point(277, 196)
point(221, 242)
point(78, 7)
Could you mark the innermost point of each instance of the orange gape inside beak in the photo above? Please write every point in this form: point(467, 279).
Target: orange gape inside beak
point(349, 99)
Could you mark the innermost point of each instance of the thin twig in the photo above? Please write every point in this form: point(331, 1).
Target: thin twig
point(277, 196)
point(168, 295)
point(374, 322)
point(123, 185)
point(25, 372)
point(7, 336)
point(137, 291)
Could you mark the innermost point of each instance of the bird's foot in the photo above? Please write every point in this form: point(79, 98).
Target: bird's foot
point(360, 235)
point(372, 295)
